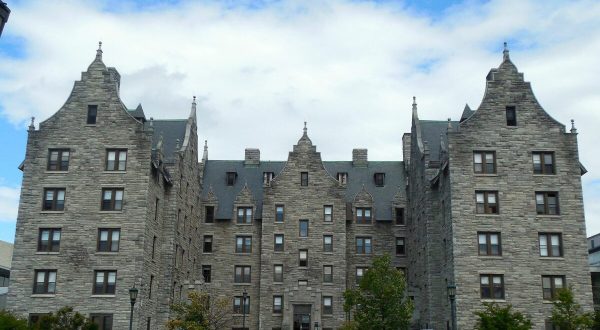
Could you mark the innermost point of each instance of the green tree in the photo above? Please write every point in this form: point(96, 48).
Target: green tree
point(567, 314)
point(379, 302)
point(200, 312)
point(10, 321)
point(495, 317)
point(65, 319)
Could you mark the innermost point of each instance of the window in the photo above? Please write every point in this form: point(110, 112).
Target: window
point(400, 216)
point(237, 305)
point(230, 178)
point(150, 286)
point(108, 239)
point(327, 243)
point(511, 116)
point(54, 199)
point(487, 202)
point(278, 243)
point(242, 274)
point(148, 323)
point(209, 214)
point(328, 213)
point(484, 162)
point(279, 212)
point(244, 215)
point(400, 246)
point(45, 282)
point(116, 159)
point(550, 245)
point(153, 246)
point(243, 244)
point(304, 179)
point(277, 304)
point(278, 273)
point(363, 245)
point(543, 162)
point(327, 305)
point(546, 203)
point(360, 272)
point(363, 215)
point(303, 228)
point(112, 199)
point(303, 258)
point(103, 321)
point(208, 240)
point(551, 284)
point(49, 240)
point(58, 160)
point(268, 177)
point(327, 274)
point(492, 286)
point(105, 281)
point(489, 244)
point(302, 282)
point(342, 177)
point(91, 114)
point(379, 179)
point(206, 270)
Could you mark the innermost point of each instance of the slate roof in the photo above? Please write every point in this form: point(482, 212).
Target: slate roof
point(214, 177)
point(171, 130)
point(467, 112)
point(138, 113)
point(430, 133)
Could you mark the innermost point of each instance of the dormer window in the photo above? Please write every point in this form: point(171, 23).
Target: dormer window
point(511, 116)
point(91, 114)
point(230, 177)
point(342, 177)
point(379, 179)
point(268, 177)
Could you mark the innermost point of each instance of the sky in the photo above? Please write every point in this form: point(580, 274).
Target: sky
point(261, 68)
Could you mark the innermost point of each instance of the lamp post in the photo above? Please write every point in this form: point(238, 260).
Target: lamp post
point(316, 325)
point(452, 297)
point(133, 292)
point(244, 296)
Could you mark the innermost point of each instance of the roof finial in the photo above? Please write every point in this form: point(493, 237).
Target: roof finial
point(305, 130)
point(177, 146)
point(194, 101)
point(573, 129)
point(505, 51)
point(32, 125)
point(449, 124)
point(99, 51)
point(205, 154)
point(414, 104)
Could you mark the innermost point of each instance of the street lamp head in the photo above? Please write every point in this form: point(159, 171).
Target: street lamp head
point(133, 293)
point(245, 293)
point(451, 291)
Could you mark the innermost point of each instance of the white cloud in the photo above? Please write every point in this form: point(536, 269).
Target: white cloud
point(9, 203)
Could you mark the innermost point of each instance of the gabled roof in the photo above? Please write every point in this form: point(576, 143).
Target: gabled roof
point(138, 113)
point(171, 131)
point(431, 131)
point(467, 112)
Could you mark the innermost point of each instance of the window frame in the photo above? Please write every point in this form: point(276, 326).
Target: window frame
point(328, 213)
point(207, 243)
point(109, 240)
point(327, 247)
point(543, 166)
point(112, 206)
point(47, 287)
point(278, 247)
point(379, 179)
point(116, 165)
point(400, 248)
point(546, 205)
point(55, 204)
point(553, 287)
point(362, 249)
point(358, 278)
point(245, 248)
point(362, 219)
point(103, 325)
point(549, 246)
point(238, 301)
point(327, 309)
point(488, 208)
point(327, 277)
point(303, 262)
point(60, 162)
point(488, 243)
point(245, 217)
point(245, 274)
point(268, 177)
point(484, 162)
point(209, 216)
point(399, 217)
point(277, 277)
point(277, 308)
point(511, 116)
point(342, 177)
point(279, 216)
point(492, 287)
point(303, 232)
point(92, 114)
point(207, 273)
point(52, 245)
point(105, 288)
point(230, 178)
point(304, 179)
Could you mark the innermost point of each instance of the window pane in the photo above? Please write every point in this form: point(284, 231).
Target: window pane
point(485, 280)
point(56, 235)
point(494, 239)
point(112, 277)
point(479, 197)
point(45, 235)
point(104, 235)
point(477, 158)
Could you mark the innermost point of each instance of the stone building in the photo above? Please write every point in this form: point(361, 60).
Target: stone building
point(491, 204)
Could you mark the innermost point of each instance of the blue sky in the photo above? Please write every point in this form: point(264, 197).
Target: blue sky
point(353, 63)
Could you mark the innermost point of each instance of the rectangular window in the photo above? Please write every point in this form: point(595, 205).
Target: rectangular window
point(327, 274)
point(49, 240)
point(243, 244)
point(230, 178)
point(303, 228)
point(328, 213)
point(108, 239)
point(484, 162)
point(268, 177)
point(44, 282)
point(487, 202)
point(363, 245)
point(58, 160)
point(342, 177)
point(242, 274)
point(492, 286)
point(400, 216)
point(379, 179)
point(206, 272)
point(546, 202)
point(303, 258)
point(327, 243)
point(150, 286)
point(400, 246)
point(112, 199)
point(551, 284)
point(91, 114)
point(103, 321)
point(278, 273)
point(360, 272)
point(208, 240)
point(105, 281)
point(116, 159)
point(277, 304)
point(489, 244)
point(209, 214)
point(363, 215)
point(153, 246)
point(278, 246)
point(244, 215)
point(550, 245)
point(511, 116)
point(327, 305)
point(543, 162)
point(54, 199)
point(279, 212)
point(304, 179)
point(237, 305)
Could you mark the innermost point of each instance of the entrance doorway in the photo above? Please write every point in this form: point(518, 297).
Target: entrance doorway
point(302, 317)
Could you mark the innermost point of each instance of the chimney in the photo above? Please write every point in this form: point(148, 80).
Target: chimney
point(252, 156)
point(359, 157)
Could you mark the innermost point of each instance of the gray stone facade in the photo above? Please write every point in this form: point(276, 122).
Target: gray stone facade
point(217, 224)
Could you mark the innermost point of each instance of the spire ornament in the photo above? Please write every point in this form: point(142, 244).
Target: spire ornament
point(414, 104)
point(573, 129)
point(32, 125)
point(205, 153)
point(99, 51)
point(505, 52)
